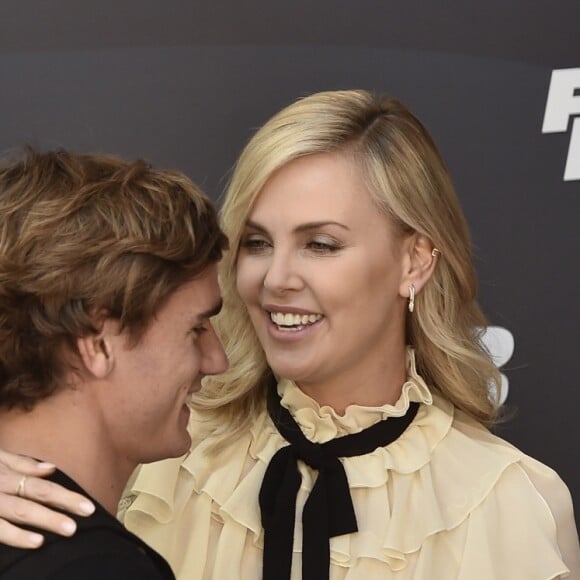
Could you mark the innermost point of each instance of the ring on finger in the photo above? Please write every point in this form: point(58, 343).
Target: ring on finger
point(20, 488)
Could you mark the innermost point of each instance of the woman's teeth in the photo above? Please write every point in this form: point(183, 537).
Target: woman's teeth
point(288, 320)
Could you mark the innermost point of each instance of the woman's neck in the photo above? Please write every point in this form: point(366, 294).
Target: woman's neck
point(370, 385)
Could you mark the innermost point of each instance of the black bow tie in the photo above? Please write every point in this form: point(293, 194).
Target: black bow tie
point(328, 511)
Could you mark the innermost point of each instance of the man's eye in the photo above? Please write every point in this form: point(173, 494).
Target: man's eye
point(198, 330)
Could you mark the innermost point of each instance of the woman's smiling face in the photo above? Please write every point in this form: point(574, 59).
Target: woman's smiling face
point(322, 272)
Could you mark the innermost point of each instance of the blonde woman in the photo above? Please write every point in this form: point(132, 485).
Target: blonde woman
point(349, 438)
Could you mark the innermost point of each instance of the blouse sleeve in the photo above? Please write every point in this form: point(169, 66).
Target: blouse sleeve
point(559, 502)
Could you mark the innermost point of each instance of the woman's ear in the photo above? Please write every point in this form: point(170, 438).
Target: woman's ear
point(97, 351)
point(421, 259)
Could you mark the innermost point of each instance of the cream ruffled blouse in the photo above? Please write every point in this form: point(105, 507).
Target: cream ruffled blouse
point(447, 500)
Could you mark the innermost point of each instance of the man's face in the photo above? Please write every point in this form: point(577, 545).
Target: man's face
point(151, 383)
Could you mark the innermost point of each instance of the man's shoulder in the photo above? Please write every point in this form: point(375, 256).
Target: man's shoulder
point(91, 553)
point(100, 548)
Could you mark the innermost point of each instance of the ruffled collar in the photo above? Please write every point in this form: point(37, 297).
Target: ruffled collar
point(322, 423)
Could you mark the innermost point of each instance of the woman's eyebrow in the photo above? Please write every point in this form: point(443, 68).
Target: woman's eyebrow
point(301, 228)
point(256, 226)
point(319, 224)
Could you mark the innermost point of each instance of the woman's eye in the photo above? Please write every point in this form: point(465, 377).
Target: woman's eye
point(323, 246)
point(254, 244)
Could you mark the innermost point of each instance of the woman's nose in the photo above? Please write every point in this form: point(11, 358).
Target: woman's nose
point(282, 273)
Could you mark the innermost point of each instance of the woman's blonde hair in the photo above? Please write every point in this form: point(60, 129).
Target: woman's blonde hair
point(407, 177)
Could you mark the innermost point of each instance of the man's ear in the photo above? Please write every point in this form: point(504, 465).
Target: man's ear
point(97, 351)
point(420, 262)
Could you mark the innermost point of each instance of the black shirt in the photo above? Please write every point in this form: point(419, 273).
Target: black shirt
point(100, 549)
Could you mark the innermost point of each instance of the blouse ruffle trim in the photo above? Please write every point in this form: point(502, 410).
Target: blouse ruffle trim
point(440, 470)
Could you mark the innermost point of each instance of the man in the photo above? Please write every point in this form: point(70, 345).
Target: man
point(107, 285)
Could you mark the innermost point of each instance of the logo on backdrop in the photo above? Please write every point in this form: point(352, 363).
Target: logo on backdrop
point(499, 342)
point(562, 105)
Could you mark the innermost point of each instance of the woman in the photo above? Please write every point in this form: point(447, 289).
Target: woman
point(348, 438)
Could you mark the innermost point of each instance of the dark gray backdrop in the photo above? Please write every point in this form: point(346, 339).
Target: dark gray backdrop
point(185, 83)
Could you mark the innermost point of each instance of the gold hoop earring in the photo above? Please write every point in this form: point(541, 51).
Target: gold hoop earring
point(435, 252)
point(411, 298)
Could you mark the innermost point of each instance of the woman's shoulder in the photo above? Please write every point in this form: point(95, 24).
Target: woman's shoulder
point(519, 501)
point(501, 512)
point(469, 438)
point(486, 458)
